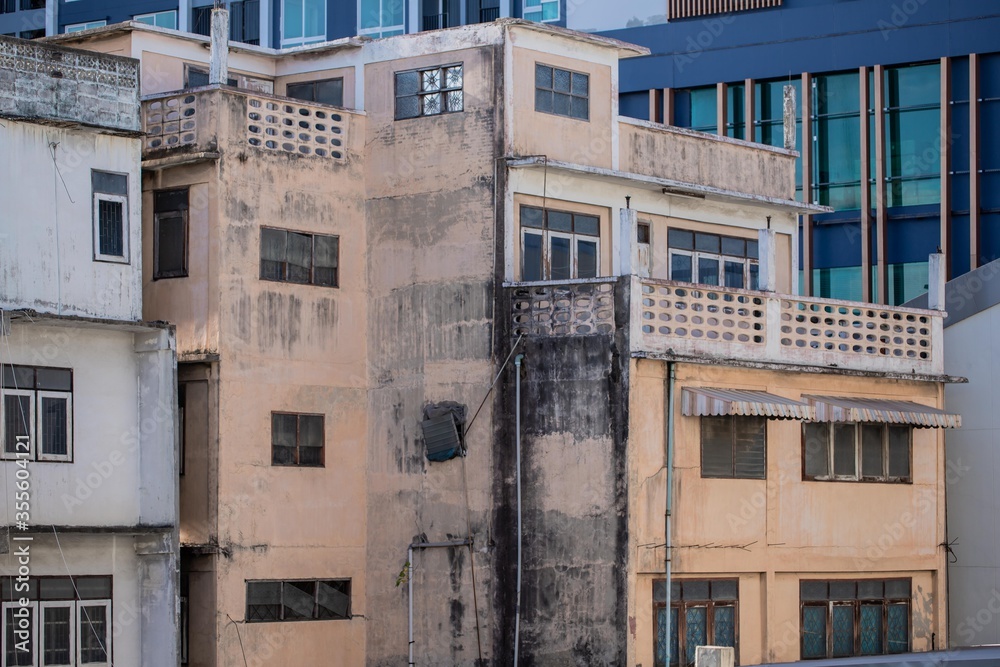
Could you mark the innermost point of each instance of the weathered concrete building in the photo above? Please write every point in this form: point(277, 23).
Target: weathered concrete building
point(88, 410)
point(372, 249)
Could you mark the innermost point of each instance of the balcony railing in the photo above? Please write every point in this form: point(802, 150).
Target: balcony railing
point(435, 21)
point(189, 120)
point(488, 14)
point(686, 320)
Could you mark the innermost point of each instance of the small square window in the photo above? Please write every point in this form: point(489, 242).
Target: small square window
point(562, 92)
point(36, 411)
point(429, 92)
point(297, 440)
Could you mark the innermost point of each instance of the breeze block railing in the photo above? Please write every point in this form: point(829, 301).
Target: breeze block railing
point(191, 119)
point(669, 318)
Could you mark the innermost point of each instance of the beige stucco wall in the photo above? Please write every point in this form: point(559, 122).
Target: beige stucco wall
point(559, 137)
point(770, 533)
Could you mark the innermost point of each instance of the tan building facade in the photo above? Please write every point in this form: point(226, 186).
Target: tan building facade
point(459, 223)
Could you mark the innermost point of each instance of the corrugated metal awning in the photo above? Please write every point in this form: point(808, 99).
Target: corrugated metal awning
point(844, 409)
point(701, 402)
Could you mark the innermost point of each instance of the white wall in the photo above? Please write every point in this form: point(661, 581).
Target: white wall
point(46, 223)
point(973, 454)
point(124, 470)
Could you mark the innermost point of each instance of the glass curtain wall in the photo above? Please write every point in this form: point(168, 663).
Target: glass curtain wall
point(769, 110)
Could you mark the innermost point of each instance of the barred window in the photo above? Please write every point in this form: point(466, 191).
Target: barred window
point(110, 210)
point(702, 612)
point(854, 617)
point(429, 92)
point(37, 413)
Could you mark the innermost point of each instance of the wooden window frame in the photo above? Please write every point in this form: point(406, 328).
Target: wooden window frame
point(682, 604)
point(298, 437)
point(856, 603)
point(859, 475)
point(734, 420)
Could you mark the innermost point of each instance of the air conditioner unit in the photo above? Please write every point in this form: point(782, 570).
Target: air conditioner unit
point(714, 656)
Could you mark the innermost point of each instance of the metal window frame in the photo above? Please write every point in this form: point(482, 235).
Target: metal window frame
point(540, 10)
point(304, 40)
point(98, 255)
point(298, 432)
point(574, 238)
point(33, 605)
point(153, 15)
point(39, 429)
point(281, 603)
point(421, 93)
point(859, 475)
point(696, 255)
point(571, 94)
point(380, 31)
point(158, 274)
point(32, 445)
point(108, 627)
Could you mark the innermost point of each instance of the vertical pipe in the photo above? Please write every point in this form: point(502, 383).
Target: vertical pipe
point(517, 439)
point(881, 205)
point(670, 489)
point(807, 191)
point(409, 619)
point(866, 190)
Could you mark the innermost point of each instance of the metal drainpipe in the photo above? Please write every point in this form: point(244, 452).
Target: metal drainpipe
point(670, 487)
point(517, 440)
point(409, 583)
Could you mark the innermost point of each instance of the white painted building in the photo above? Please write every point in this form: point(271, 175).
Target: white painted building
point(88, 408)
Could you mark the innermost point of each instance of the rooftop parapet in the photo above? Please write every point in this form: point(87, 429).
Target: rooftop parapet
point(54, 84)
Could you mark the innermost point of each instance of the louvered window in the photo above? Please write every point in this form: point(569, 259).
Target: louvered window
point(734, 447)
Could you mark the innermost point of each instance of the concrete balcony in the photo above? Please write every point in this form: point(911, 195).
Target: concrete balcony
point(197, 122)
point(681, 320)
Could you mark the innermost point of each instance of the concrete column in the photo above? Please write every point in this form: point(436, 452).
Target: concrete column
point(51, 18)
point(219, 67)
point(626, 243)
point(936, 280)
point(766, 248)
point(668, 106)
point(267, 23)
point(748, 110)
point(159, 591)
point(184, 15)
point(720, 109)
point(788, 118)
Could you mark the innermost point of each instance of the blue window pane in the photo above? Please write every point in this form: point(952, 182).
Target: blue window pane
point(531, 268)
point(814, 632)
point(708, 271)
point(725, 626)
point(291, 19)
point(675, 650)
point(897, 626)
point(660, 649)
point(871, 629)
point(734, 274)
point(695, 631)
point(680, 268)
point(843, 630)
point(550, 11)
point(754, 277)
point(586, 259)
point(315, 18)
point(369, 17)
point(703, 109)
point(560, 257)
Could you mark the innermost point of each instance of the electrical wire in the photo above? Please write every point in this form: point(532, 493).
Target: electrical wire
point(239, 637)
point(90, 623)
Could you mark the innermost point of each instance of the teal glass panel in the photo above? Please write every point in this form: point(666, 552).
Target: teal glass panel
point(724, 626)
point(842, 625)
point(838, 283)
point(695, 631)
point(704, 114)
point(291, 19)
point(560, 254)
point(814, 632)
point(735, 111)
point(897, 628)
point(838, 164)
point(660, 648)
point(837, 94)
point(370, 13)
point(871, 629)
point(906, 281)
point(315, 19)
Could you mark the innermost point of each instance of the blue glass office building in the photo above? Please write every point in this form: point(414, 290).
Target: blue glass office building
point(898, 100)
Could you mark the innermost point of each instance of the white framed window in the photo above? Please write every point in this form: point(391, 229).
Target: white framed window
point(93, 639)
point(37, 413)
point(711, 259)
point(541, 10)
point(110, 216)
point(78, 27)
point(20, 649)
point(381, 18)
point(559, 245)
point(167, 19)
point(57, 636)
point(302, 22)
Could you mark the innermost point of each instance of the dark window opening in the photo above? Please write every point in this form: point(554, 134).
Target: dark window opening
point(848, 451)
point(429, 92)
point(270, 601)
point(37, 413)
point(298, 257)
point(297, 440)
point(734, 447)
point(244, 21)
point(170, 233)
point(327, 91)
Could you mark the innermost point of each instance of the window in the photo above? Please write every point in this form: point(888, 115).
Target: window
point(436, 15)
point(78, 27)
point(160, 19)
point(711, 259)
point(296, 439)
point(734, 447)
point(298, 600)
point(69, 621)
point(847, 451)
point(696, 109)
point(562, 92)
point(110, 216)
point(244, 21)
point(37, 413)
point(912, 135)
point(381, 18)
point(326, 91)
point(864, 617)
point(837, 136)
point(559, 245)
point(302, 22)
point(170, 233)
point(702, 612)
point(429, 92)
point(770, 126)
point(196, 76)
point(541, 10)
point(298, 257)
point(735, 111)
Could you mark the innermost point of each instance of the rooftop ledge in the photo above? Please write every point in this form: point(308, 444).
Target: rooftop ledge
point(670, 319)
point(666, 186)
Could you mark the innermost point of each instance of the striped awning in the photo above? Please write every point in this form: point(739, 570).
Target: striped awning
point(701, 402)
point(844, 409)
